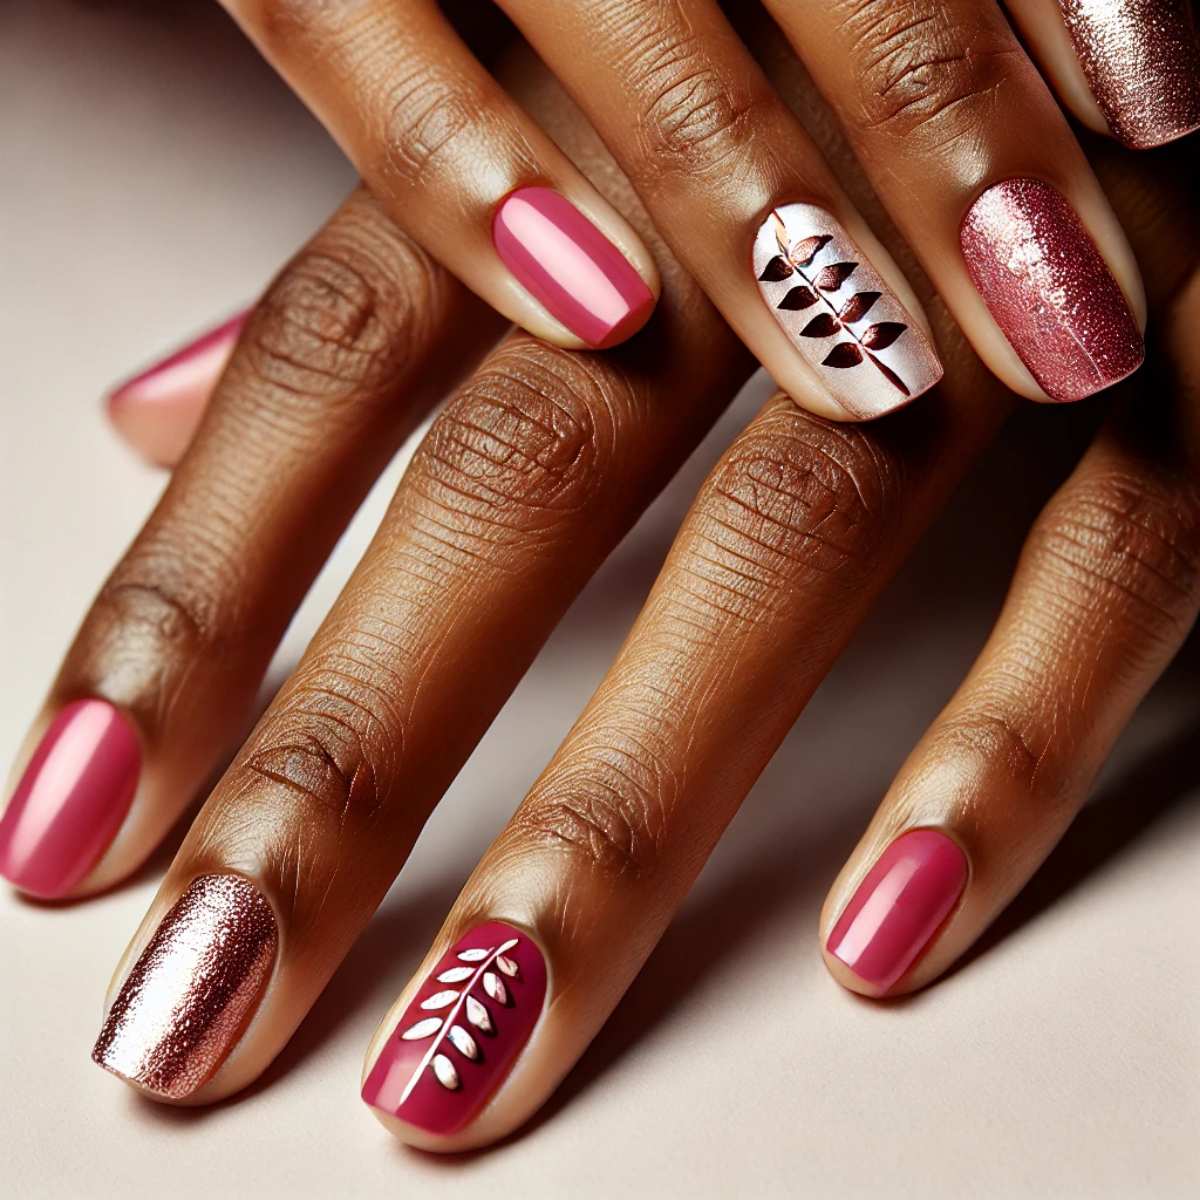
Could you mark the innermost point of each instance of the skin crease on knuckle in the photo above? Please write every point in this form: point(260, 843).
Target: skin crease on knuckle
point(920, 72)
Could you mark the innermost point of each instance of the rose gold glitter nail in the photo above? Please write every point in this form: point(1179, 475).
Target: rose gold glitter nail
point(1142, 62)
point(1049, 290)
point(191, 993)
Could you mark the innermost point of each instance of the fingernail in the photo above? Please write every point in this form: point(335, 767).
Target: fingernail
point(71, 799)
point(157, 411)
point(862, 342)
point(567, 264)
point(899, 906)
point(1049, 290)
point(462, 1031)
point(1142, 62)
point(193, 990)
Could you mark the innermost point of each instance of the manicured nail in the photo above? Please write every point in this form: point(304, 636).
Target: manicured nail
point(71, 799)
point(157, 411)
point(862, 342)
point(1142, 62)
point(193, 990)
point(458, 1038)
point(1049, 290)
point(899, 906)
point(567, 264)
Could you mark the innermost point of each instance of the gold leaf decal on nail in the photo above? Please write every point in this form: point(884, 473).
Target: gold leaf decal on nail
point(823, 325)
point(446, 1073)
point(439, 1000)
point(777, 269)
point(464, 1043)
point(456, 975)
point(830, 278)
point(881, 336)
point(858, 306)
point(805, 250)
point(797, 297)
point(845, 354)
point(422, 1029)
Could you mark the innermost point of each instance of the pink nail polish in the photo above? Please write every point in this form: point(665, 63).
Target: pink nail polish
point(899, 906)
point(567, 264)
point(71, 799)
point(1142, 62)
point(157, 411)
point(459, 1036)
point(1049, 290)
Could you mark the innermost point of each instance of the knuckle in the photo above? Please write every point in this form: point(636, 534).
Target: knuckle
point(524, 446)
point(993, 735)
point(1116, 544)
point(923, 68)
point(425, 115)
point(793, 500)
point(342, 318)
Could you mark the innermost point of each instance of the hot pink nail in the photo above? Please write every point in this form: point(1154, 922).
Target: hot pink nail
point(458, 1038)
point(566, 263)
point(157, 411)
point(1049, 290)
point(899, 906)
point(71, 800)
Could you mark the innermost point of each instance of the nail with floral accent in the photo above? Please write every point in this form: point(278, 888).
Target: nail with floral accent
point(865, 347)
point(461, 1031)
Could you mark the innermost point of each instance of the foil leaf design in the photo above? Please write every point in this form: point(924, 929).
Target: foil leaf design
point(422, 1029)
point(844, 354)
point(823, 325)
point(882, 335)
point(858, 306)
point(446, 1072)
point(778, 268)
point(805, 250)
point(798, 297)
point(830, 278)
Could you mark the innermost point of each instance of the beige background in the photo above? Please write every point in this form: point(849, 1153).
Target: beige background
point(154, 176)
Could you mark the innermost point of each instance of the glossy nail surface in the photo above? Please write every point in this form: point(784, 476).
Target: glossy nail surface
point(192, 992)
point(899, 906)
point(71, 799)
point(1049, 290)
point(157, 411)
point(1142, 62)
point(461, 1032)
point(570, 267)
point(863, 344)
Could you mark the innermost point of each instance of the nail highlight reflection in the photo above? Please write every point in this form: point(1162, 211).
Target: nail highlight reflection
point(192, 992)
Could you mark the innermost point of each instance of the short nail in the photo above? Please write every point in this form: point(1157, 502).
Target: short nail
point(461, 1033)
point(1049, 290)
point(157, 411)
point(850, 327)
point(570, 267)
point(899, 906)
point(1142, 62)
point(190, 995)
point(71, 799)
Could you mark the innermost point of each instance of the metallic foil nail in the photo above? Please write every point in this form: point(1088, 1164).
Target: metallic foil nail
point(1049, 290)
point(864, 345)
point(191, 993)
point(1142, 62)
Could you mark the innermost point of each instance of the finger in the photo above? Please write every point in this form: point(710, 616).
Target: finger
point(157, 411)
point(1107, 588)
point(459, 166)
point(744, 197)
point(353, 342)
point(794, 533)
point(523, 484)
point(978, 167)
point(1126, 67)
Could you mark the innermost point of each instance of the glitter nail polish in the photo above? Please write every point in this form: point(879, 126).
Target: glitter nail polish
point(1049, 290)
point(192, 992)
point(1142, 63)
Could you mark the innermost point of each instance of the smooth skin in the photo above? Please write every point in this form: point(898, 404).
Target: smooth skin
point(528, 478)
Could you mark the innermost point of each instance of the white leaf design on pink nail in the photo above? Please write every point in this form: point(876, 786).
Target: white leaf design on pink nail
point(477, 954)
point(422, 1029)
point(464, 1043)
point(445, 1071)
point(507, 965)
point(494, 986)
point(479, 1016)
point(456, 975)
point(439, 1000)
